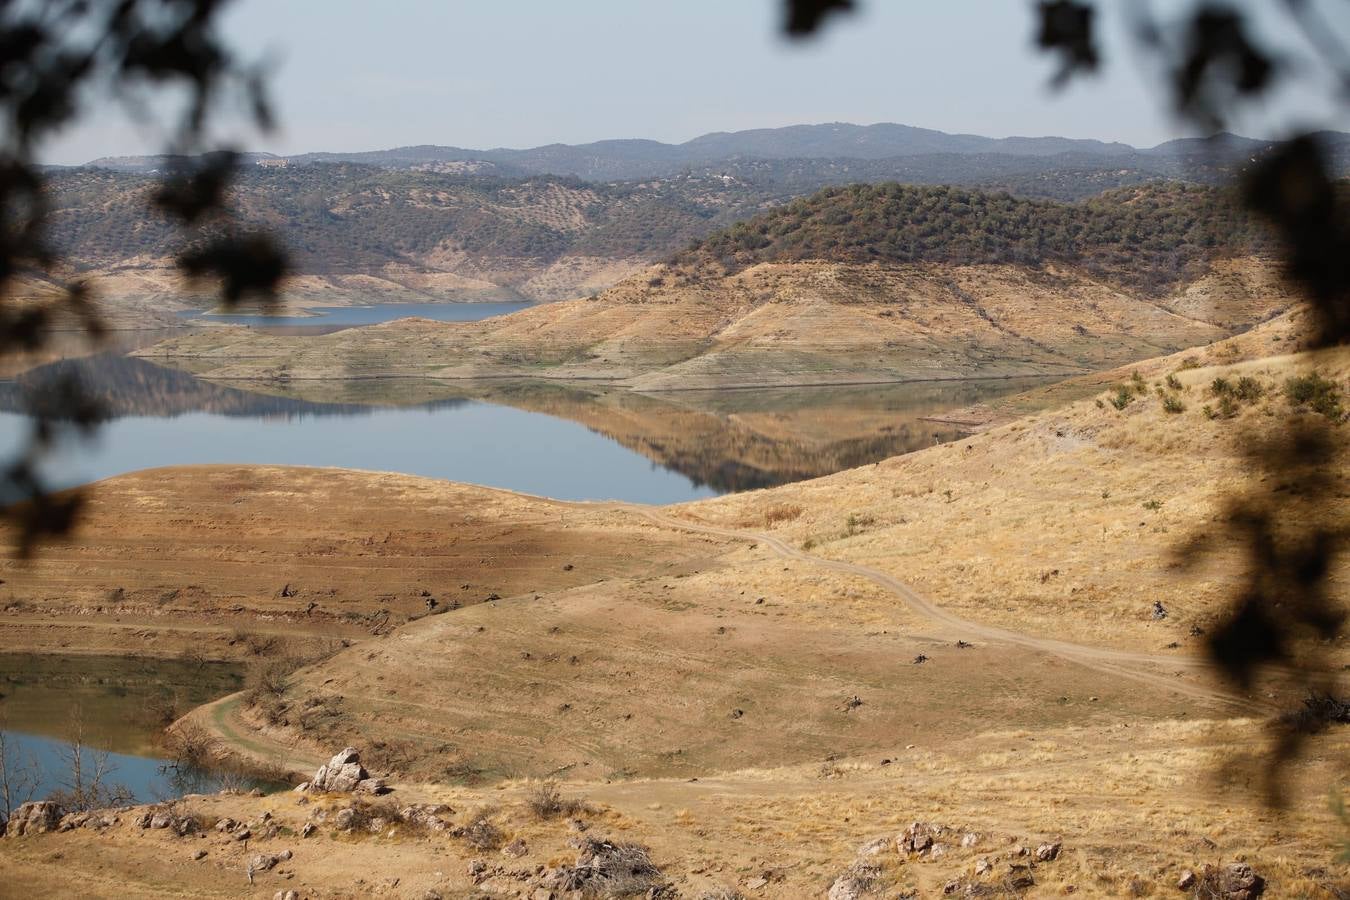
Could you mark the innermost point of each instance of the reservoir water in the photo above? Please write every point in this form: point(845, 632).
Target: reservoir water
point(571, 441)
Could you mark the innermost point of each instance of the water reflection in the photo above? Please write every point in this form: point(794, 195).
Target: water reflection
point(333, 318)
point(566, 440)
point(115, 707)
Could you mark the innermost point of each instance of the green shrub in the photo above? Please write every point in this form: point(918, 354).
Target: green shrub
point(1173, 405)
point(1248, 389)
point(1153, 505)
point(1123, 397)
point(1321, 395)
point(1173, 384)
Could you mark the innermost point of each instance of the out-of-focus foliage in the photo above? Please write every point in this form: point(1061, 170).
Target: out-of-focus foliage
point(56, 58)
point(1285, 614)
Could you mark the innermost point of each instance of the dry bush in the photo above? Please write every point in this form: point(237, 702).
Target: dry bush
point(546, 801)
point(188, 745)
point(481, 834)
point(781, 512)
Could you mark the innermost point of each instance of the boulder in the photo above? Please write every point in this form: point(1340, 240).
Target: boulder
point(918, 837)
point(1235, 881)
point(1047, 852)
point(344, 774)
point(37, 817)
point(856, 881)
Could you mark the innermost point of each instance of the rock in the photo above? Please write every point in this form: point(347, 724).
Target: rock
point(516, 849)
point(874, 847)
point(161, 819)
point(476, 869)
point(262, 862)
point(308, 829)
point(36, 817)
point(982, 866)
point(918, 837)
point(71, 821)
point(1159, 611)
point(937, 851)
point(434, 817)
point(854, 883)
point(341, 774)
point(1235, 881)
point(256, 792)
point(345, 819)
point(284, 855)
point(301, 787)
point(371, 786)
point(951, 887)
point(242, 834)
point(199, 855)
point(1047, 852)
point(969, 839)
point(226, 824)
point(285, 895)
point(1019, 877)
point(377, 824)
point(1186, 881)
point(755, 884)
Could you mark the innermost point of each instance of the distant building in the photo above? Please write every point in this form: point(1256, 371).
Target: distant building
point(274, 163)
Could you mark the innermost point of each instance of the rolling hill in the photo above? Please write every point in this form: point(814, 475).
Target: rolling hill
point(846, 287)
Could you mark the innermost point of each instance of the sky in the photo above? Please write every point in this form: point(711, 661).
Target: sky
point(352, 75)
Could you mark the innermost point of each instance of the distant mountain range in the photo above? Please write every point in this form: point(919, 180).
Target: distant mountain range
point(628, 159)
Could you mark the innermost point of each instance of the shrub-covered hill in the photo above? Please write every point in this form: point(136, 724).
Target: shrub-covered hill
point(349, 217)
point(1148, 237)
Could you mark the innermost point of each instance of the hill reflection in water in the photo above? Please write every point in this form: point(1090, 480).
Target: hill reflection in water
point(719, 441)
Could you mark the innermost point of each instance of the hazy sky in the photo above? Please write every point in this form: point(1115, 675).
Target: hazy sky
point(359, 75)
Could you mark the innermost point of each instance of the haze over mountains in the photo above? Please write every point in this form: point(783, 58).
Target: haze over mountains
point(637, 158)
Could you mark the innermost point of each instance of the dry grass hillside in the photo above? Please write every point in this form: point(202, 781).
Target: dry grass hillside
point(773, 324)
point(756, 691)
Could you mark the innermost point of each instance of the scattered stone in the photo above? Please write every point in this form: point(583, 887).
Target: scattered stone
point(1047, 852)
point(756, 883)
point(36, 817)
point(951, 887)
point(1186, 881)
point(1235, 881)
point(964, 645)
point(937, 851)
point(853, 702)
point(285, 895)
point(243, 834)
point(199, 855)
point(874, 847)
point(71, 821)
point(1159, 611)
point(969, 839)
point(433, 817)
point(1020, 877)
point(918, 837)
point(516, 849)
point(476, 869)
point(1019, 850)
point(262, 862)
point(161, 819)
point(982, 866)
point(921, 658)
point(301, 787)
point(737, 713)
point(285, 855)
point(226, 824)
point(856, 881)
point(308, 829)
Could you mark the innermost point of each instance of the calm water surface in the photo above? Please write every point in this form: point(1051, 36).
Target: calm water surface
point(114, 706)
point(350, 316)
point(576, 442)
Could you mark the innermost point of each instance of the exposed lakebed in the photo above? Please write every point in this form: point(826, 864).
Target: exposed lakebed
point(576, 441)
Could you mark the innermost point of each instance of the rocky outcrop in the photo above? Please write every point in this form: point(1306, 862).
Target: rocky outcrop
point(1235, 881)
point(344, 774)
point(37, 817)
